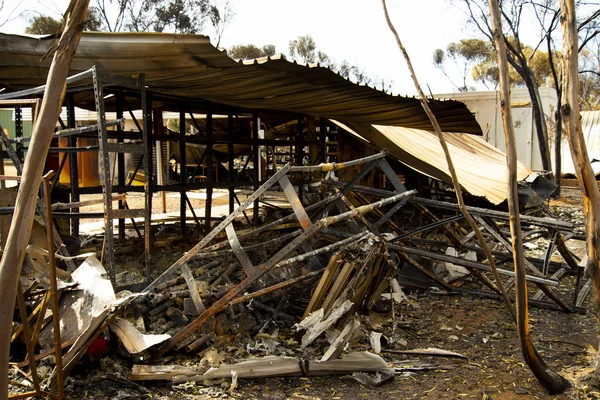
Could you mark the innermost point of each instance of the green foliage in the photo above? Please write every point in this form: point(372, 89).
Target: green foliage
point(177, 16)
point(472, 50)
point(465, 56)
point(478, 59)
point(182, 16)
point(269, 50)
point(303, 49)
point(250, 51)
point(589, 92)
point(93, 21)
point(43, 25)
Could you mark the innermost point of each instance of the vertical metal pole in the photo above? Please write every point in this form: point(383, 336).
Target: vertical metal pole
point(73, 167)
point(53, 286)
point(323, 132)
point(209, 168)
point(19, 148)
point(298, 149)
point(299, 157)
point(107, 177)
point(255, 162)
point(160, 167)
point(147, 138)
point(182, 170)
point(120, 162)
point(230, 161)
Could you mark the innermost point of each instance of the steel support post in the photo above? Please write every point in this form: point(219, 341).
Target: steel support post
point(73, 167)
point(299, 156)
point(209, 169)
point(147, 138)
point(323, 135)
point(182, 171)
point(120, 162)
point(230, 162)
point(256, 164)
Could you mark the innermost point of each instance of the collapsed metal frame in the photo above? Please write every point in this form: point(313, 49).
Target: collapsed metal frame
point(102, 83)
point(538, 268)
point(298, 238)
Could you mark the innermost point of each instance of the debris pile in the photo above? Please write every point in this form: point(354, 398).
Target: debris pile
point(292, 297)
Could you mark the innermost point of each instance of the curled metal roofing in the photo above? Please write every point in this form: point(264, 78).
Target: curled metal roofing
point(189, 67)
point(480, 167)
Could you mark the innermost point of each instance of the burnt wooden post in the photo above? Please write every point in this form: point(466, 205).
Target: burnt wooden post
point(230, 163)
point(148, 186)
point(19, 148)
point(182, 171)
point(209, 169)
point(558, 147)
point(255, 162)
point(120, 161)
point(73, 167)
point(322, 148)
point(299, 156)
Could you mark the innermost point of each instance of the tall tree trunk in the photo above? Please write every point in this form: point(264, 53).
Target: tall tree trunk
point(557, 115)
point(552, 381)
point(519, 63)
point(20, 229)
point(541, 127)
point(585, 175)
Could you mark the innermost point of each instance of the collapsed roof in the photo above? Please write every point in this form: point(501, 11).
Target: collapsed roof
point(189, 67)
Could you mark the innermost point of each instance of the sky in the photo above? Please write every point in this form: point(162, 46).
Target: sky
point(352, 30)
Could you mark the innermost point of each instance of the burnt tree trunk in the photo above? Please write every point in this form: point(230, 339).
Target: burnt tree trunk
point(585, 174)
point(20, 229)
point(519, 63)
point(541, 128)
point(552, 381)
point(557, 115)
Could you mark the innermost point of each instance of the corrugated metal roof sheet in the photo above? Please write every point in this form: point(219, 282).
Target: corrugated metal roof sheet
point(188, 66)
point(481, 168)
point(590, 126)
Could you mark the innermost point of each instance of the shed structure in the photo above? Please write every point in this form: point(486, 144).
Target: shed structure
point(245, 119)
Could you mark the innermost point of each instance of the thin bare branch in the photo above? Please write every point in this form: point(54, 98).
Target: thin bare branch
point(455, 182)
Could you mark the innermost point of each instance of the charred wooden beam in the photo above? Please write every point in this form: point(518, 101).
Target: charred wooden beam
point(466, 263)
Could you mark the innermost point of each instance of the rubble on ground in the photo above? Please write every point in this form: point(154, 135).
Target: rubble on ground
point(317, 291)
